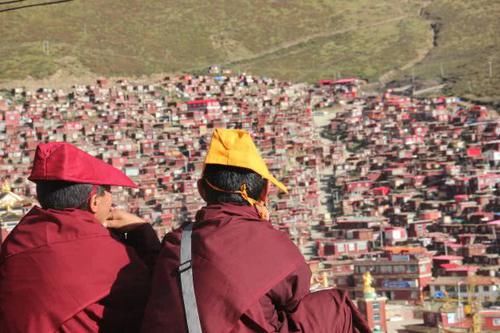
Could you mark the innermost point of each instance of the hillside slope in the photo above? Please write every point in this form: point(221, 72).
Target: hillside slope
point(300, 40)
point(467, 47)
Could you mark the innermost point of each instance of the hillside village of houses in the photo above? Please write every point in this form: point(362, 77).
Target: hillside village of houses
point(414, 189)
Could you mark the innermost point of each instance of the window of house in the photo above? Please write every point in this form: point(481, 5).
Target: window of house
point(351, 246)
point(437, 288)
point(486, 288)
point(399, 269)
point(361, 246)
point(385, 269)
point(412, 268)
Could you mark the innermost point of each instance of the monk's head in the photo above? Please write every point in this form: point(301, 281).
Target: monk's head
point(67, 177)
point(222, 183)
point(60, 195)
point(234, 171)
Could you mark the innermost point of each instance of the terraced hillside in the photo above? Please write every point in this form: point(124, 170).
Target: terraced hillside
point(300, 40)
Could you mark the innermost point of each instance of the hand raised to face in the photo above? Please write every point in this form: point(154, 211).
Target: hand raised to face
point(124, 221)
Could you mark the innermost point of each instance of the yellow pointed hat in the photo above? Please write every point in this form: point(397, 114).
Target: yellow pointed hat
point(235, 148)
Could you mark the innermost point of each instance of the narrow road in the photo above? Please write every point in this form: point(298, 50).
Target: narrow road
point(421, 55)
point(308, 39)
point(321, 120)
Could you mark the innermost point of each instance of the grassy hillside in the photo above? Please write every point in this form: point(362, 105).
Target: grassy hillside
point(289, 39)
point(141, 37)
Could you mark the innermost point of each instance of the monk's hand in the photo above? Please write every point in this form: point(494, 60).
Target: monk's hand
point(123, 221)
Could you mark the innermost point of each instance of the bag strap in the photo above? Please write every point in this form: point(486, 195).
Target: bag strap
point(187, 283)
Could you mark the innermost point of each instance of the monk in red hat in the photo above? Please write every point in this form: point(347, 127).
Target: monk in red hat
point(61, 269)
point(231, 271)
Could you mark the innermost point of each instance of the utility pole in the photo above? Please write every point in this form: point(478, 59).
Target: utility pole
point(490, 63)
point(494, 233)
point(460, 304)
point(442, 70)
point(412, 82)
point(381, 237)
point(45, 47)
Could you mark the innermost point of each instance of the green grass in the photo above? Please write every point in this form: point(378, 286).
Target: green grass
point(300, 40)
point(365, 53)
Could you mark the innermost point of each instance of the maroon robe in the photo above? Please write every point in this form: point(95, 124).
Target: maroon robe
point(248, 277)
point(61, 270)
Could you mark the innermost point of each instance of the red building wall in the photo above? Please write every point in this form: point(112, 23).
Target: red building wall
point(374, 312)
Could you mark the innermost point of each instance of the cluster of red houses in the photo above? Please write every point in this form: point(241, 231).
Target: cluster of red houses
point(158, 133)
point(415, 187)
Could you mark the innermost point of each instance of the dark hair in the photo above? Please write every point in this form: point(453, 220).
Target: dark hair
point(231, 178)
point(63, 195)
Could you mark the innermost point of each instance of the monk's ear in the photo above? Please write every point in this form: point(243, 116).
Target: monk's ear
point(201, 189)
point(265, 192)
point(93, 203)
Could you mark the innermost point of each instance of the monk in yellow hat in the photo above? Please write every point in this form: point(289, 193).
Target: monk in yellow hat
point(230, 270)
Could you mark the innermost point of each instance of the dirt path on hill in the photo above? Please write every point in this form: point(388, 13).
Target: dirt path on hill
point(421, 53)
point(308, 39)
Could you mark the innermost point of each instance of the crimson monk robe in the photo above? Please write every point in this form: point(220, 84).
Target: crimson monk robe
point(61, 269)
point(246, 276)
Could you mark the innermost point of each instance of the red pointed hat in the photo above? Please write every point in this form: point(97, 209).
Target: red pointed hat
point(63, 161)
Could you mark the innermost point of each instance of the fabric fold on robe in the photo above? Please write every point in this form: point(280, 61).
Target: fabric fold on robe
point(56, 264)
point(239, 260)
